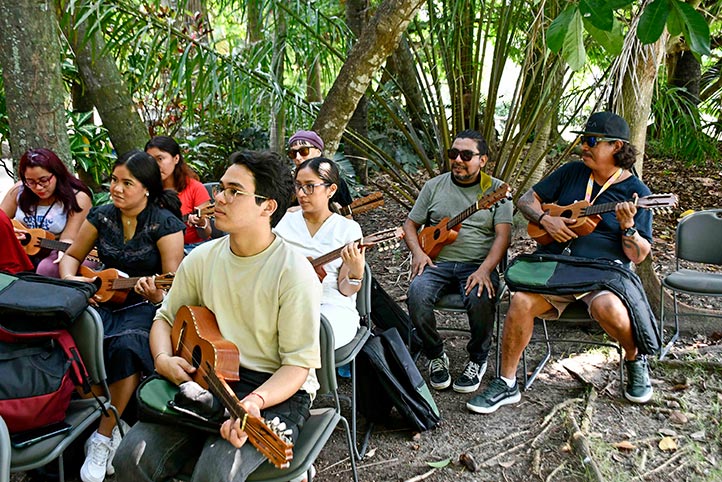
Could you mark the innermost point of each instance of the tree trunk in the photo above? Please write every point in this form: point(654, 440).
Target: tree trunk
point(105, 86)
point(402, 66)
point(356, 19)
point(380, 38)
point(313, 81)
point(254, 20)
point(30, 56)
point(278, 111)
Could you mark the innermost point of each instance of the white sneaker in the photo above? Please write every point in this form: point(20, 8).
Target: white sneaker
point(114, 443)
point(98, 448)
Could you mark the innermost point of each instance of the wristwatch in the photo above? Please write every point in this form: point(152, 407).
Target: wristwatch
point(629, 232)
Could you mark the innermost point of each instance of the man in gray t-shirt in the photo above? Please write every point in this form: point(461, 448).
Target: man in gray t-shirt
point(467, 266)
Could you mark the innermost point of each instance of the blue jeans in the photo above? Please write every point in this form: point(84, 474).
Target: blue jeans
point(155, 452)
point(449, 277)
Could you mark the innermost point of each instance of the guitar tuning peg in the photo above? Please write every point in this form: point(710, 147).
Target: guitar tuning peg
point(281, 427)
point(287, 433)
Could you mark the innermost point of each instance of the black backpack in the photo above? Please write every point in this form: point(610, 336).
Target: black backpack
point(387, 313)
point(388, 377)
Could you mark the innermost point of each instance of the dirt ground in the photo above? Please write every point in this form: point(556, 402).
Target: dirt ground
point(575, 402)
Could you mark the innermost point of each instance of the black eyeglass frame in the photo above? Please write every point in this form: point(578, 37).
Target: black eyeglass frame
point(466, 155)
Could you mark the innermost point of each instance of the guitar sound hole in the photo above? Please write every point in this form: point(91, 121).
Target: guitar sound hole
point(566, 213)
point(437, 234)
point(196, 357)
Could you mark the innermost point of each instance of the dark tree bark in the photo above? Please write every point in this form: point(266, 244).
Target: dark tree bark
point(278, 67)
point(380, 38)
point(30, 56)
point(356, 19)
point(105, 87)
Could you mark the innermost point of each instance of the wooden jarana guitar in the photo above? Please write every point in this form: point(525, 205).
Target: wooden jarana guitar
point(588, 215)
point(200, 212)
point(196, 338)
point(114, 287)
point(37, 239)
point(383, 240)
point(433, 238)
point(361, 205)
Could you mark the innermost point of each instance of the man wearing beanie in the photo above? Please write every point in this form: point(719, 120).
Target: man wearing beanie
point(304, 145)
point(622, 237)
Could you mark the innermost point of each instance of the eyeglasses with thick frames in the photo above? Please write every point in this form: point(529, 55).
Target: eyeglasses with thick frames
point(230, 193)
point(42, 182)
point(303, 150)
point(308, 188)
point(592, 141)
point(466, 155)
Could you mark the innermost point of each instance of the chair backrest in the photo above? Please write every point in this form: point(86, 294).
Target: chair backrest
point(209, 187)
point(87, 331)
point(363, 297)
point(4, 452)
point(698, 236)
point(327, 373)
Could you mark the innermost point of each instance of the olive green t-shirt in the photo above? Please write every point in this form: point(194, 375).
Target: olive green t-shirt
point(441, 197)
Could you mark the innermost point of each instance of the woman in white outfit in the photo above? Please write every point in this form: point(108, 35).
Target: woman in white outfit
point(316, 230)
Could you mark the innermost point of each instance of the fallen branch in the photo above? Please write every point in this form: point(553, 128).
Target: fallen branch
point(554, 472)
point(663, 466)
point(545, 423)
point(536, 463)
point(488, 462)
point(579, 443)
point(589, 409)
point(423, 476)
point(498, 442)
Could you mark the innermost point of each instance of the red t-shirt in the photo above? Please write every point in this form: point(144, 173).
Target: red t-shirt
point(13, 258)
point(191, 197)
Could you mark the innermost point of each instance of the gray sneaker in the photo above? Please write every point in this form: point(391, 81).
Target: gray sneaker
point(498, 393)
point(639, 388)
point(439, 372)
point(470, 380)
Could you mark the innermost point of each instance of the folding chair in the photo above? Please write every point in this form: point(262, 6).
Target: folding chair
point(347, 355)
point(575, 313)
point(4, 452)
point(318, 428)
point(698, 237)
point(87, 331)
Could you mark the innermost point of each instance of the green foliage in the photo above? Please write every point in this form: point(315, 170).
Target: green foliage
point(679, 18)
point(207, 150)
point(678, 131)
point(90, 146)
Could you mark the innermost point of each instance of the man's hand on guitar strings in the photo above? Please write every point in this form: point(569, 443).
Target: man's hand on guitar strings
point(174, 368)
point(625, 213)
point(557, 227)
point(231, 428)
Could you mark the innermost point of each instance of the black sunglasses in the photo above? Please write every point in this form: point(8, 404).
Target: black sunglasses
point(592, 141)
point(466, 156)
point(303, 150)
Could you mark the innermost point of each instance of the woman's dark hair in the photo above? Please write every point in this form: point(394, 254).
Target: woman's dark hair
point(145, 169)
point(327, 170)
point(66, 185)
point(475, 135)
point(181, 171)
point(626, 156)
point(272, 178)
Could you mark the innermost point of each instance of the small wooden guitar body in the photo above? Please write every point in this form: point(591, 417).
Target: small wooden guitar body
point(113, 287)
point(196, 338)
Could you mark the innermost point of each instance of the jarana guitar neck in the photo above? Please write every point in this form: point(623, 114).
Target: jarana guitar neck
point(114, 288)
point(588, 215)
point(433, 238)
point(366, 203)
point(385, 239)
point(38, 239)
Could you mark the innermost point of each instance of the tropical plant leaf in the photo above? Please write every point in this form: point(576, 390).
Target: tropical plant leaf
point(612, 41)
point(675, 22)
point(598, 13)
point(696, 30)
point(652, 21)
point(557, 31)
point(573, 51)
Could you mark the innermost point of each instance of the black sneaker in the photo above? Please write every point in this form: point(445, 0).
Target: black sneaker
point(439, 372)
point(470, 380)
point(639, 388)
point(496, 394)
